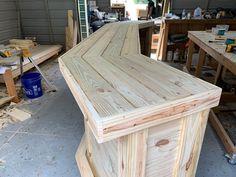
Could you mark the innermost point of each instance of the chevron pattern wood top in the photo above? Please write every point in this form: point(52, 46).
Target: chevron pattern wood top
point(121, 91)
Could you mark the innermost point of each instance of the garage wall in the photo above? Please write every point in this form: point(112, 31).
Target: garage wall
point(45, 19)
point(190, 5)
point(9, 26)
point(104, 5)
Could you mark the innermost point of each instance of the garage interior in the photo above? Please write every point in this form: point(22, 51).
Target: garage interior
point(117, 88)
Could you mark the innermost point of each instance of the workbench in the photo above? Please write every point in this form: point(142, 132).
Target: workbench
point(142, 117)
point(226, 61)
point(40, 53)
point(170, 26)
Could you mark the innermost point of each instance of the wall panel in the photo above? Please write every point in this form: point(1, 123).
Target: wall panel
point(9, 23)
point(49, 29)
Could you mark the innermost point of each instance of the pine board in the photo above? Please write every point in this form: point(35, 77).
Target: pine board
point(124, 91)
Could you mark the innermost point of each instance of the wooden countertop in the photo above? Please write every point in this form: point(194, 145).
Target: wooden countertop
point(121, 91)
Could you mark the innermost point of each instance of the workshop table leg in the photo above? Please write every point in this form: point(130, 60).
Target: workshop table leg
point(11, 88)
point(201, 60)
point(190, 55)
point(218, 73)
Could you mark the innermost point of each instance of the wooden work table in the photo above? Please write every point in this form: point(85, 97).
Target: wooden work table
point(142, 117)
point(178, 26)
point(226, 61)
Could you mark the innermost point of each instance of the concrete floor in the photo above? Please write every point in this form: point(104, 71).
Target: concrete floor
point(45, 145)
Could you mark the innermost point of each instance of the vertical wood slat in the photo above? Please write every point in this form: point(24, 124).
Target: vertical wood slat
point(82, 160)
point(164, 43)
point(189, 149)
point(132, 150)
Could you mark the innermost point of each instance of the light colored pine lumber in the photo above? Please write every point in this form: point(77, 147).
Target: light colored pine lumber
point(18, 114)
point(201, 61)
point(138, 112)
point(40, 54)
point(82, 160)
point(11, 88)
point(132, 150)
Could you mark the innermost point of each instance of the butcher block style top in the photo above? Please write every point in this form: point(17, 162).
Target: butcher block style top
point(121, 91)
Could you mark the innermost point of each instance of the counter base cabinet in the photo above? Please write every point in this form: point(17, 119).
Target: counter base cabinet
point(171, 149)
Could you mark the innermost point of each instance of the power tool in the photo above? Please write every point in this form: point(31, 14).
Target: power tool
point(230, 45)
point(231, 48)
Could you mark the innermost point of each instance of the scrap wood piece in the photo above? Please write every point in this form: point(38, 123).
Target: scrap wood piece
point(21, 43)
point(5, 100)
point(18, 114)
point(11, 88)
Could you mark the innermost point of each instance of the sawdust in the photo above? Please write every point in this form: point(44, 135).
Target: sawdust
point(51, 70)
point(5, 119)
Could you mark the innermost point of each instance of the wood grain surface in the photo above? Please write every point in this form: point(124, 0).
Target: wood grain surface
point(122, 91)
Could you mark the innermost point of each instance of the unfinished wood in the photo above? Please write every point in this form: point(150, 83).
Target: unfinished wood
point(132, 151)
point(40, 54)
point(193, 128)
point(18, 114)
point(218, 73)
point(164, 43)
point(11, 88)
point(102, 157)
point(165, 7)
point(96, 67)
point(201, 38)
point(180, 26)
point(163, 142)
point(201, 61)
point(129, 100)
point(159, 44)
point(146, 40)
point(70, 30)
point(82, 160)
point(21, 43)
point(75, 34)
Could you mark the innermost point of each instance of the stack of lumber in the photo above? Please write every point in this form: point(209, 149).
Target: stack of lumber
point(40, 53)
point(21, 43)
point(143, 118)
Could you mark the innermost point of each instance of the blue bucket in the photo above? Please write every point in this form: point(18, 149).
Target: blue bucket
point(32, 85)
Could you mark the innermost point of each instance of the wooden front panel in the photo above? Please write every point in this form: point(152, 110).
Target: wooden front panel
point(163, 143)
point(168, 150)
point(102, 157)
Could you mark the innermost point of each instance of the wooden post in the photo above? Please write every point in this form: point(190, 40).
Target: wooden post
point(11, 88)
point(201, 60)
point(165, 7)
point(70, 30)
point(218, 73)
point(190, 55)
point(192, 135)
point(164, 43)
